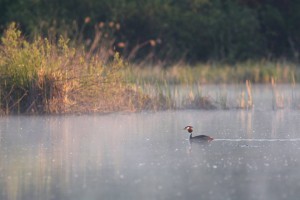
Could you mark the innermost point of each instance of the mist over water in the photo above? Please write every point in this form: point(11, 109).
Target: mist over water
point(255, 155)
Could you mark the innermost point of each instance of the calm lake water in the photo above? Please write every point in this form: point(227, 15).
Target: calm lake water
point(255, 155)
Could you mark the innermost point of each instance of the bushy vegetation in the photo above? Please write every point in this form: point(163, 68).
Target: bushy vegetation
point(194, 30)
point(46, 77)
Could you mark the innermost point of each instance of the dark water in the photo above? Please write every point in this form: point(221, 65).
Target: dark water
point(256, 155)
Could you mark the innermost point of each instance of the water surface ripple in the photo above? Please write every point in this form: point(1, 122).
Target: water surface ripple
point(255, 156)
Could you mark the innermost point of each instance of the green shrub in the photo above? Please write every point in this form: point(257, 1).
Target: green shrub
point(44, 77)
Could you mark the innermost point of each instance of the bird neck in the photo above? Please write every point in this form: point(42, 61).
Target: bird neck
point(191, 136)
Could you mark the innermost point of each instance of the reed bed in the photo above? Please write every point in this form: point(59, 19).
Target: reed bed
point(210, 73)
point(193, 96)
point(53, 77)
point(171, 81)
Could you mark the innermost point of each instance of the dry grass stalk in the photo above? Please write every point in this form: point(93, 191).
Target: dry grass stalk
point(277, 99)
point(246, 101)
point(249, 93)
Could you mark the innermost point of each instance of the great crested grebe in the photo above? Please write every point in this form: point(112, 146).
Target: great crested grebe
point(198, 137)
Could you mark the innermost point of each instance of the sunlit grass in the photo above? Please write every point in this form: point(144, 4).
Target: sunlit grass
point(47, 77)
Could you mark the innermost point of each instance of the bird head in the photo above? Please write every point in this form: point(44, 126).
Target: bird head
point(189, 129)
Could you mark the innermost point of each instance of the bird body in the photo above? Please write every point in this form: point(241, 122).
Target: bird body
point(198, 137)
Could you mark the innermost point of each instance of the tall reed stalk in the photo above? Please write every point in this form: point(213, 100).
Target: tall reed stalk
point(277, 98)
